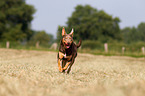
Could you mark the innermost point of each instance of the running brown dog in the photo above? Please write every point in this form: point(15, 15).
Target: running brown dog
point(67, 52)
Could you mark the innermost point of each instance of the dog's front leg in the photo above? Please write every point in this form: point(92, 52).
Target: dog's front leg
point(60, 65)
point(68, 69)
point(66, 66)
point(60, 59)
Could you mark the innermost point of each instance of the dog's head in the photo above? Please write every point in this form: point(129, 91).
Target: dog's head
point(67, 38)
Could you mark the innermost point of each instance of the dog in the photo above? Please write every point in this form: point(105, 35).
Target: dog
point(67, 52)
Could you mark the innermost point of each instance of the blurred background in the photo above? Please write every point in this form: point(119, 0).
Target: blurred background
point(37, 24)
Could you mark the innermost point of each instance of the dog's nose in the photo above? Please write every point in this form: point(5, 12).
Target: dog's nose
point(68, 43)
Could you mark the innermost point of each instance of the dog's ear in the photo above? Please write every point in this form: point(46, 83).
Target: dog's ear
point(72, 32)
point(63, 32)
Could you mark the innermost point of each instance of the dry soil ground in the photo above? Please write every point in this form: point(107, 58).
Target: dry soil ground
point(35, 73)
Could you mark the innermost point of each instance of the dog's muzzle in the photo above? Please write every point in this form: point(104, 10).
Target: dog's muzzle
point(67, 45)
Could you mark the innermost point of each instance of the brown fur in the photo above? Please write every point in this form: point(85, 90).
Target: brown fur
point(67, 52)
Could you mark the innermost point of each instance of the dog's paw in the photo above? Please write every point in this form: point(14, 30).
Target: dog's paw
point(60, 70)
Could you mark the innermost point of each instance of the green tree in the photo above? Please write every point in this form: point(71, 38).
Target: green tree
point(42, 37)
point(15, 19)
point(126, 32)
point(131, 35)
point(14, 34)
point(141, 31)
point(92, 24)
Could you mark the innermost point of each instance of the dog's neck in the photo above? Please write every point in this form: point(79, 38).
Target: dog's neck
point(69, 50)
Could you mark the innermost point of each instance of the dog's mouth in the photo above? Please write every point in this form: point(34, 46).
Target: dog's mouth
point(67, 45)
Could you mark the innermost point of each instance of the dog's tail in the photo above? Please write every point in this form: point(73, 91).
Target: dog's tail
point(79, 44)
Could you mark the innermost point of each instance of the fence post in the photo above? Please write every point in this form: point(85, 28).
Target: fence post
point(106, 47)
point(123, 49)
point(7, 44)
point(37, 44)
point(143, 50)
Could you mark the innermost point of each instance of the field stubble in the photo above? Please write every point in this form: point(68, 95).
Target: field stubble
point(35, 73)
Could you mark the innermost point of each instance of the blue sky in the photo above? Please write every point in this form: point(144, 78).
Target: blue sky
point(51, 13)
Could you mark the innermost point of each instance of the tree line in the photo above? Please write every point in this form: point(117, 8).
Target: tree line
point(90, 25)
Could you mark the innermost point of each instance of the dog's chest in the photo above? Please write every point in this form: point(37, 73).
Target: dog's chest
point(68, 52)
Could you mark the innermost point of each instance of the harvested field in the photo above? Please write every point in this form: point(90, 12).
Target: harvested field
point(35, 73)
